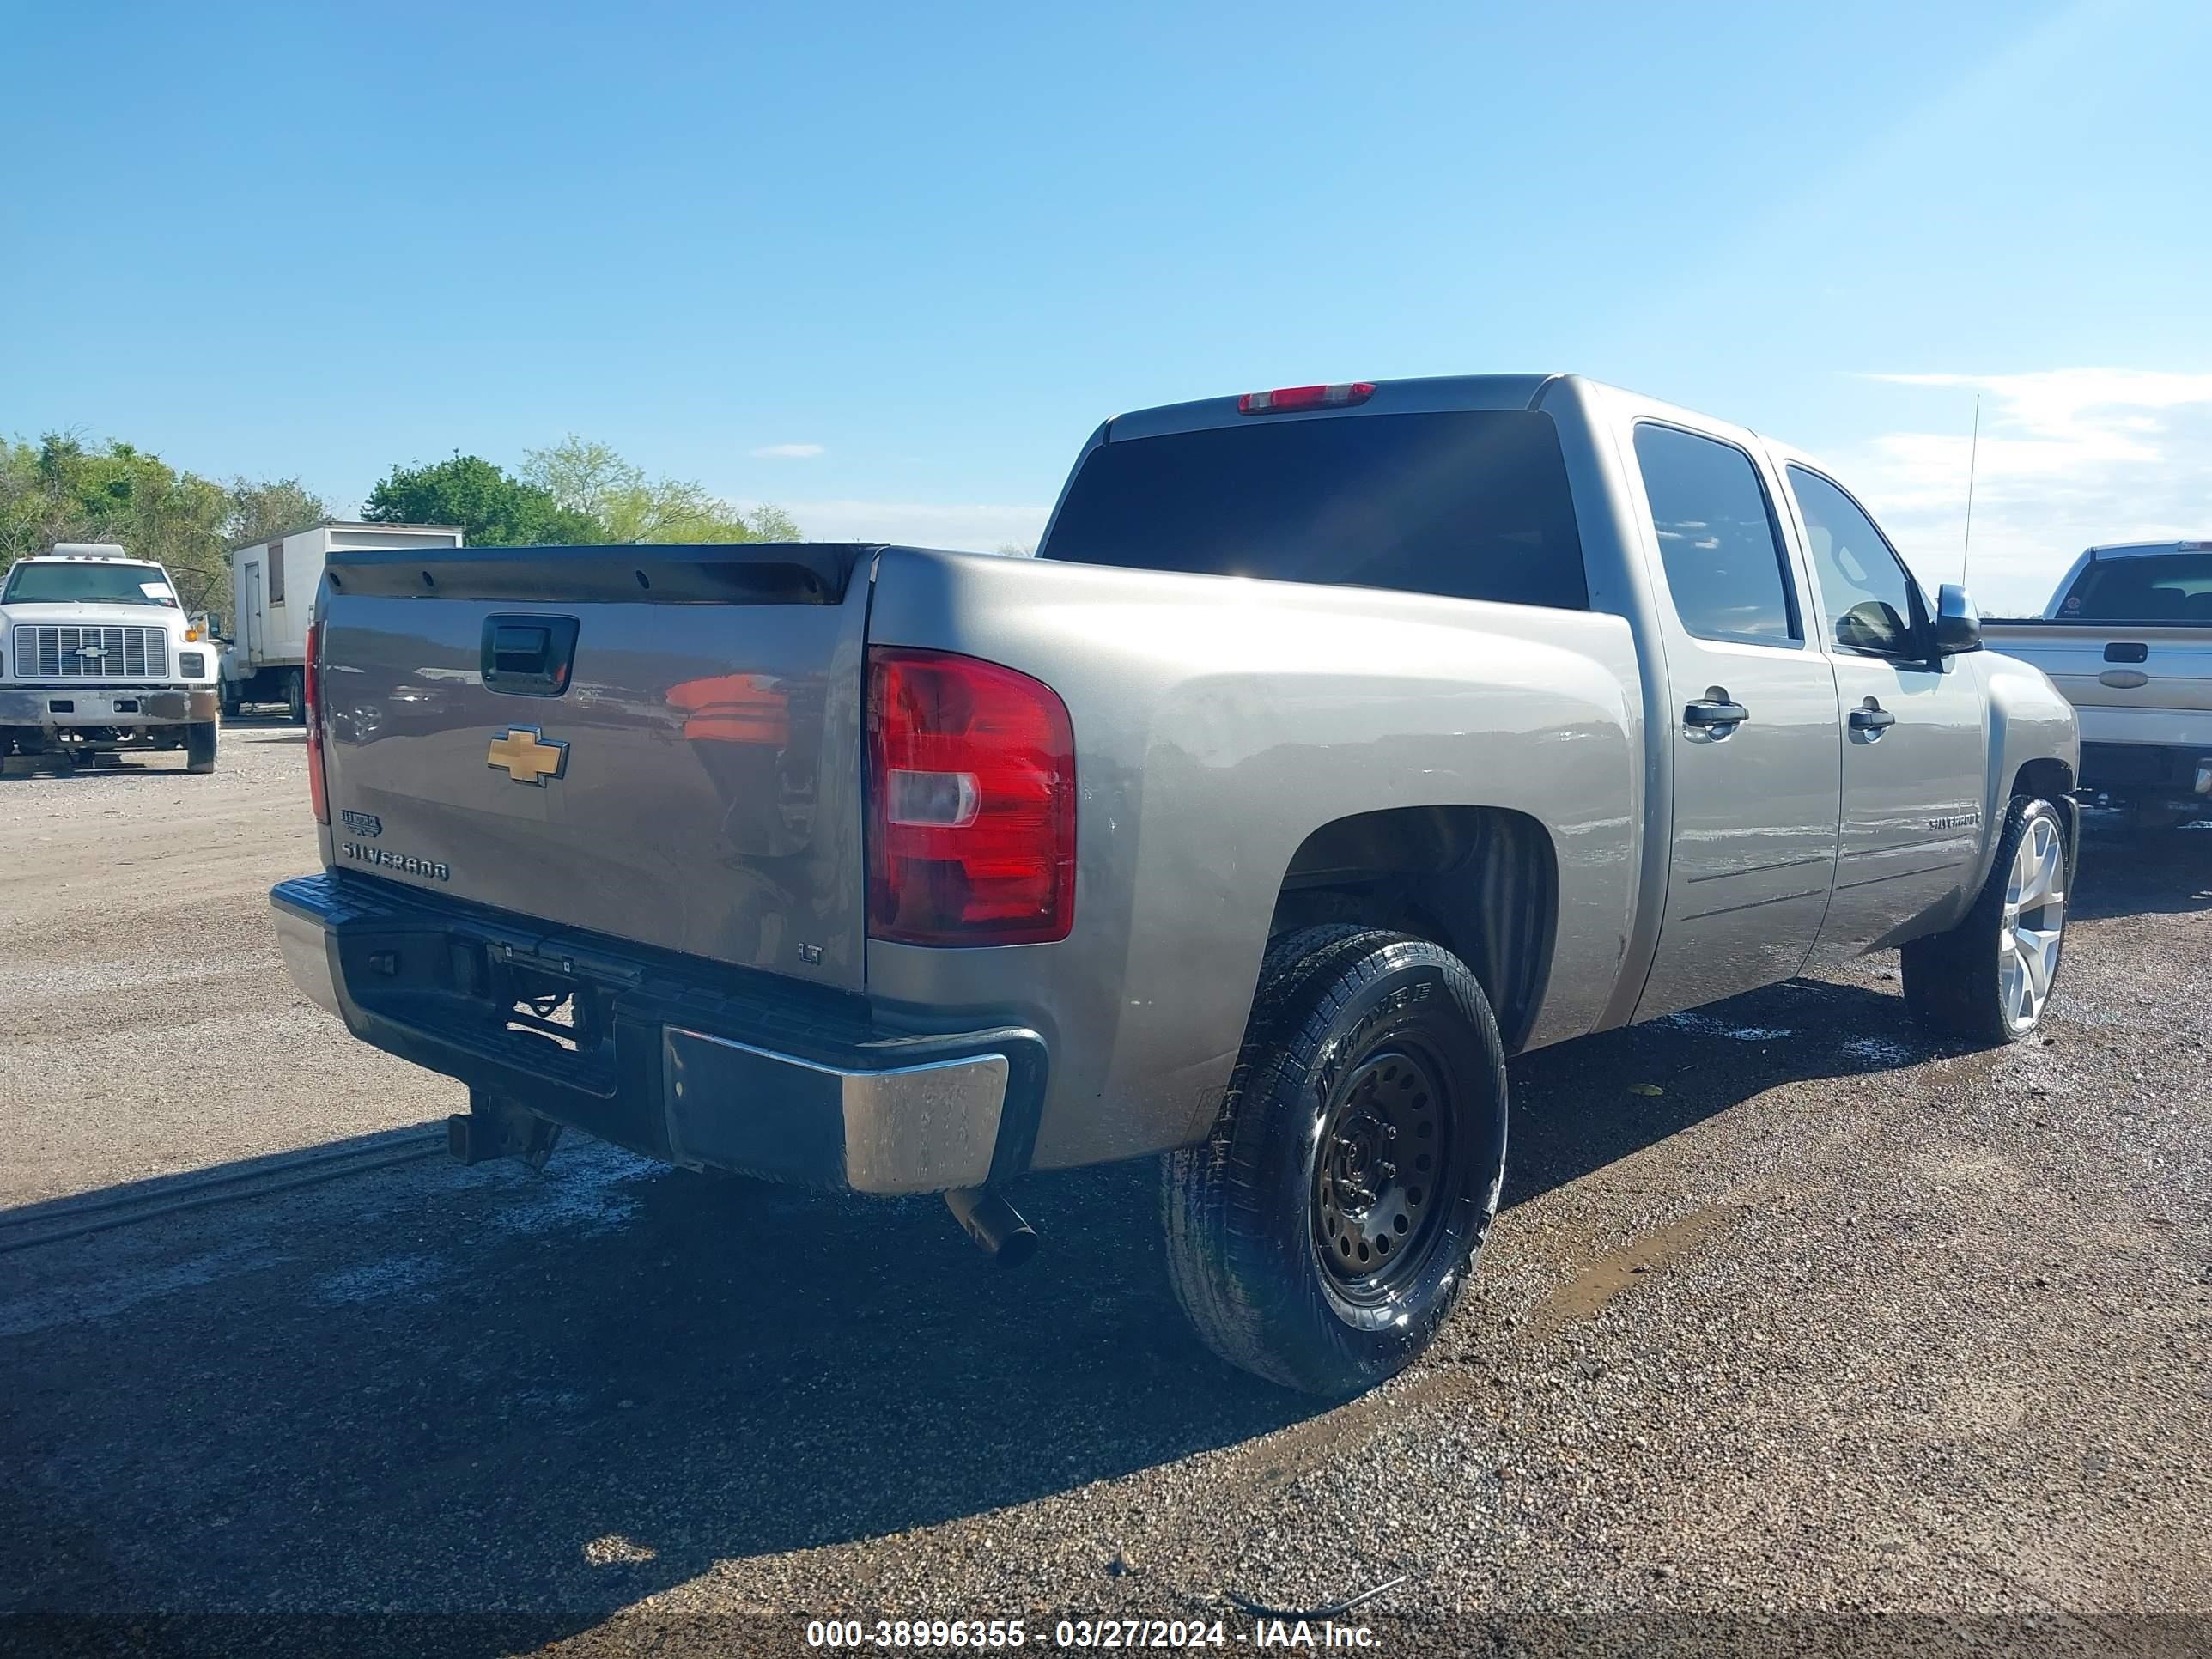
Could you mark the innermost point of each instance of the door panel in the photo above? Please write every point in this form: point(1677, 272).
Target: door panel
point(1915, 735)
point(1754, 824)
point(1912, 806)
point(1754, 729)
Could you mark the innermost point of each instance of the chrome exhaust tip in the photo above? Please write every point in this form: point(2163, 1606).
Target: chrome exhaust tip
point(995, 1226)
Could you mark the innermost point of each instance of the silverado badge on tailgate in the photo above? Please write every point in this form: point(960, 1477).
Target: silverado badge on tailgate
point(528, 755)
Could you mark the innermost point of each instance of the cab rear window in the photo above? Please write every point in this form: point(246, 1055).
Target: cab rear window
point(1470, 505)
point(2149, 587)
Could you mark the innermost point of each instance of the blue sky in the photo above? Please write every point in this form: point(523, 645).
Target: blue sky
point(923, 250)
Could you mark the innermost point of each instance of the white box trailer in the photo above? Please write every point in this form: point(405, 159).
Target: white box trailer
point(272, 597)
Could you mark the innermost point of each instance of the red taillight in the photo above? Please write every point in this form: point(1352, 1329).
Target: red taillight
point(310, 681)
point(1284, 400)
point(971, 792)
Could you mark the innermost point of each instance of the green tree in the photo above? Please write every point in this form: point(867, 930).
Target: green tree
point(773, 524)
point(63, 490)
point(495, 509)
point(589, 478)
point(276, 506)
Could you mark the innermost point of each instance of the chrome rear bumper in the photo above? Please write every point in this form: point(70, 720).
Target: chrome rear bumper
point(682, 1071)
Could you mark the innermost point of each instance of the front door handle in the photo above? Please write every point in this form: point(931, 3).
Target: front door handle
point(1873, 718)
point(1709, 711)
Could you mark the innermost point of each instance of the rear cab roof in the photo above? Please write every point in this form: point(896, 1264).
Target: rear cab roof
point(2145, 549)
point(1432, 394)
point(1415, 397)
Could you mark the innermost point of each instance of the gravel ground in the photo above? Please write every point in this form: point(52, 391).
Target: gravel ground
point(146, 1026)
point(1841, 1329)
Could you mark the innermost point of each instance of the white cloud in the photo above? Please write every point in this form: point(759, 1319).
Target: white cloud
point(2069, 458)
point(788, 452)
point(983, 527)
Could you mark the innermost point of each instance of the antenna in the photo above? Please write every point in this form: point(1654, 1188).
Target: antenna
point(1973, 454)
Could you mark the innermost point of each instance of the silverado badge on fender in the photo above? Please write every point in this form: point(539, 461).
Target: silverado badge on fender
point(528, 755)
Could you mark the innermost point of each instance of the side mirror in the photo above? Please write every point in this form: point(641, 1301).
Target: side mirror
point(1957, 625)
point(1875, 629)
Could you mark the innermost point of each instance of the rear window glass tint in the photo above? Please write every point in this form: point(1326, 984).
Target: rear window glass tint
point(2146, 587)
point(1470, 505)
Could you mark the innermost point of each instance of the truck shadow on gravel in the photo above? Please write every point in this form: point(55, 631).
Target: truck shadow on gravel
point(2127, 873)
point(167, 764)
point(426, 1387)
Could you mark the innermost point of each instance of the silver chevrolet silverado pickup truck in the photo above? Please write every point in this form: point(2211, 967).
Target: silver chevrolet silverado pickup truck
point(1339, 741)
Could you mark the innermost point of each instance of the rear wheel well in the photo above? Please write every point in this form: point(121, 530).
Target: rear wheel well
point(1481, 881)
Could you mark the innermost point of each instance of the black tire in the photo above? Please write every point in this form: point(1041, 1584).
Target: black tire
point(199, 746)
point(1246, 1210)
point(230, 701)
point(295, 696)
point(1954, 982)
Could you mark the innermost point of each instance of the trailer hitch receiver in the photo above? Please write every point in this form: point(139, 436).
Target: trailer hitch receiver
point(493, 1128)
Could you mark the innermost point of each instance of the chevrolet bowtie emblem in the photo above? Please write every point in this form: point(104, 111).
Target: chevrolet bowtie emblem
point(528, 756)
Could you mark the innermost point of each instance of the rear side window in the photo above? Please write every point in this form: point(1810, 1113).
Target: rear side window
point(1718, 537)
point(1471, 505)
point(2146, 587)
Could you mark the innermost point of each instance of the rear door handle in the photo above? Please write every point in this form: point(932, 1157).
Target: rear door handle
point(1708, 712)
point(1872, 718)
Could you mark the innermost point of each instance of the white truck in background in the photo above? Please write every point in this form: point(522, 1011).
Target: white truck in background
point(2127, 638)
point(272, 585)
point(98, 661)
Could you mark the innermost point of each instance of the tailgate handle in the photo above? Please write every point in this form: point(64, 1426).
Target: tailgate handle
point(528, 656)
point(2127, 651)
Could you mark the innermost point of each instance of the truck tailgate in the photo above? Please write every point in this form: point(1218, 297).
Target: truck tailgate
point(658, 744)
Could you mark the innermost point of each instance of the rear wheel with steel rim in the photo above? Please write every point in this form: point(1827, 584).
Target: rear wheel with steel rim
point(1988, 979)
point(1321, 1235)
point(1383, 1155)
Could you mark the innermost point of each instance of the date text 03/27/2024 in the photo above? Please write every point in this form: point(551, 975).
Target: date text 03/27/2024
point(944, 1635)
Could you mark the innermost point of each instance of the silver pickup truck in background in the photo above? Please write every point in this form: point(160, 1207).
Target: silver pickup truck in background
point(2128, 639)
point(1339, 741)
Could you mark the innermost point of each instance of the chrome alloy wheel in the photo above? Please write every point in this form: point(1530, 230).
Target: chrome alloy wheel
point(2033, 926)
